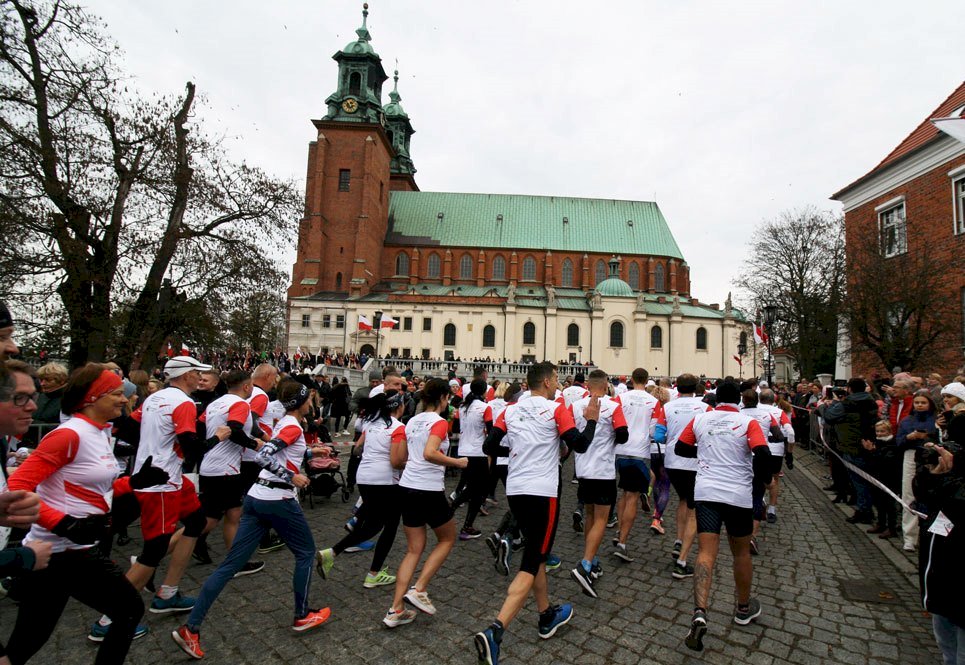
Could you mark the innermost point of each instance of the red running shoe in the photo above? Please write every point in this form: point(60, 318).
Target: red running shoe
point(189, 642)
point(312, 619)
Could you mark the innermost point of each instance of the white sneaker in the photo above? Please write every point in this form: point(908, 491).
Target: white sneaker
point(393, 619)
point(421, 600)
point(908, 547)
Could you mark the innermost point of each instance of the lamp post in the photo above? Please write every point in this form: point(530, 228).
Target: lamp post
point(741, 352)
point(770, 316)
point(580, 349)
point(376, 328)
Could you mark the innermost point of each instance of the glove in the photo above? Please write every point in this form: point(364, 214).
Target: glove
point(149, 475)
point(83, 530)
point(789, 460)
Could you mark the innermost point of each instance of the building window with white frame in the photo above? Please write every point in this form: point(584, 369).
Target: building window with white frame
point(959, 190)
point(892, 229)
point(326, 320)
point(339, 321)
point(306, 320)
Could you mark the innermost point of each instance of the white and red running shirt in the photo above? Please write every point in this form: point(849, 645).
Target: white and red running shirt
point(375, 467)
point(498, 405)
point(163, 416)
point(489, 396)
point(420, 474)
point(225, 458)
point(574, 394)
point(643, 412)
point(472, 428)
point(725, 439)
point(259, 412)
point(73, 472)
point(678, 414)
point(533, 428)
point(291, 456)
point(766, 419)
point(599, 460)
point(777, 447)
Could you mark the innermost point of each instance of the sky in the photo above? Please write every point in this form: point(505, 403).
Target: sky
point(724, 113)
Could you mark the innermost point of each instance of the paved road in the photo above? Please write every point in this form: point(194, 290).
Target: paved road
point(642, 612)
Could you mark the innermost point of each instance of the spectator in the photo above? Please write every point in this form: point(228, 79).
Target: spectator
point(339, 406)
point(140, 379)
point(935, 384)
point(900, 407)
point(913, 432)
point(952, 420)
point(886, 467)
point(7, 346)
point(53, 381)
point(853, 420)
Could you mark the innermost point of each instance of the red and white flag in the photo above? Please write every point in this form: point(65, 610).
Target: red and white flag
point(364, 323)
point(389, 322)
point(170, 350)
point(759, 335)
point(185, 351)
point(739, 361)
point(298, 352)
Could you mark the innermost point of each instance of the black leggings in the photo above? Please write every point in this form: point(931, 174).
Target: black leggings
point(475, 484)
point(497, 473)
point(381, 510)
point(91, 578)
point(339, 418)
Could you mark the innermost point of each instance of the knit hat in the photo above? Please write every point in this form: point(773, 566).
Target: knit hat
point(955, 390)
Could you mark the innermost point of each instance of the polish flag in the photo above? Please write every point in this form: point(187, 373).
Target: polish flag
point(759, 335)
point(170, 350)
point(389, 322)
point(185, 351)
point(298, 352)
point(364, 323)
point(739, 361)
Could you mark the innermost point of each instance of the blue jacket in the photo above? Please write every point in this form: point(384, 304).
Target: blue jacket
point(918, 420)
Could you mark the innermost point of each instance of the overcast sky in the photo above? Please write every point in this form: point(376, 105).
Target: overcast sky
point(724, 113)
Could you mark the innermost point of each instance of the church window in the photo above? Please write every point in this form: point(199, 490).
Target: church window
point(499, 268)
point(529, 269)
point(449, 335)
point(634, 276)
point(566, 276)
point(572, 335)
point(402, 264)
point(529, 333)
point(465, 267)
point(338, 280)
point(600, 271)
point(701, 339)
point(659, 280)
point(432, 266)
point(616, 334)
point(656, 337)
point(355, 84)
point(489, 337)
point(344, 179)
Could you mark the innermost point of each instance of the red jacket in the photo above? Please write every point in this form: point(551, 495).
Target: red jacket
point(899, 410)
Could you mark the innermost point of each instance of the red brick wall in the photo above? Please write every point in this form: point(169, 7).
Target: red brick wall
point(929, 217)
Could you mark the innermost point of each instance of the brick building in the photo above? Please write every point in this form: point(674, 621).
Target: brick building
point(482, 275)
point(915, 197)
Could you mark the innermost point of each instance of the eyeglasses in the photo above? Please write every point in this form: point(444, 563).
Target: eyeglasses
point(21, 399)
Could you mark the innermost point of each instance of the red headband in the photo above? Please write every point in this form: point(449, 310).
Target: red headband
point(106, 383)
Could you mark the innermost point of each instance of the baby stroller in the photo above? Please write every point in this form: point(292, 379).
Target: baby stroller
point(325, 473)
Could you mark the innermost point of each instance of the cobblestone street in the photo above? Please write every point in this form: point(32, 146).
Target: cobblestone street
point(642, 614)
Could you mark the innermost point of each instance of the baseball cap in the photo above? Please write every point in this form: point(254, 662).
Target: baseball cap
point(179, 365)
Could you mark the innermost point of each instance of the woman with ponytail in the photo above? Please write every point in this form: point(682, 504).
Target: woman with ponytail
point(473, 421)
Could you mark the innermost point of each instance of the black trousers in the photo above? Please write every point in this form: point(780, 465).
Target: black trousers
point(475, 487)
point(91, 578)
point(381, 511)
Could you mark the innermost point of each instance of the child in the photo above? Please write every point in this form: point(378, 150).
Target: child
point(886, 467)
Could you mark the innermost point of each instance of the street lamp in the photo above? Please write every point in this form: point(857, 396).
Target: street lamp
point(376, 327)
point(580, 349)
point(741, 352)
point(770, 316)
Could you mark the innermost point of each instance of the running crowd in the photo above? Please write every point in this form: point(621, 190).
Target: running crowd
point(261, 445)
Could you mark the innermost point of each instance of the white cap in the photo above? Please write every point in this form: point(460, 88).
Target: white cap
point(453, 383)
point(955, 389)
point(179, 365)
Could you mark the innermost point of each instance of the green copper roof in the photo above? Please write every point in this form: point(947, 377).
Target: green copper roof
point(614, 286)
point(394, 107)
point(362, 45)
point(529, 222)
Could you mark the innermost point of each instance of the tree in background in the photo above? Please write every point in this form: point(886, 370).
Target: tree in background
point(797, 262)
point(108, 192)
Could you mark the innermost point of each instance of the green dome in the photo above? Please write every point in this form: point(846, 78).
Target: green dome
point(360, 47)
point(614, 287)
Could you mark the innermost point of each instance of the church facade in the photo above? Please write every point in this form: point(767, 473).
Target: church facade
point(482, 275)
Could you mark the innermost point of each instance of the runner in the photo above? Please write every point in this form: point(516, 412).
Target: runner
point(770, 425)
point(732, 454)
point(265, 411)
point(596, 471)
point(533, 428)
point(473, 421)
point(383, 438)
point(424, 502)
point(271, 502)
point(681, 470)
point(644, 417)
point(779, 448)
point(479, 374)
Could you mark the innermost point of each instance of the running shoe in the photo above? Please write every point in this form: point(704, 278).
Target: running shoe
point(771, 518)
point(492, 542)
point(585, 580)
point(755, 550)
point(98, 632)
point(698, 628)
point(745, 616)
point(382, 578)
point(560, 617)
point(421, 600)
point(596, 571)
point(189, 642)
point(275, 543)
point(677, 547)
point(645, 502)
point(250, 568)
point(350, 524)
point(682, 572)
point(503, 555)
point(483, 511)
point(176, 603)
point(553, 562)
point(620, 552)
point(200, 553)
point(313, 619)
point(612, 521)
point(393, 619)
point(487, 648)
point(578, 521)
point(491, 502)
point(324, 561)
point(517, 544)
point(361, 547)
point(468, 533)
point(656, 526)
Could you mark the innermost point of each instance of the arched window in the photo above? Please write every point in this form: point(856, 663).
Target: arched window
point(432, 266)
point(658, 279)
point(633, 275)
point(499, 268)
point(402, 264)
point(338, 280)
point(465, 267)
point(529, 333)
point(600, 271)
point(566, 275)
point(355, 84)
point(449, 335)
point(489, 337)
point(616, 334)
point(572, 335)
point(656, 337)
point(529, 269)
point(701, 339)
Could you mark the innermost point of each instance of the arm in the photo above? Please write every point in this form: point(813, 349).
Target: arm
point(762, 454)
point(266, 456)
point(398, 449)
point(492, 445)
point(687, 442)
point(488, 419)
point(434, 455)
point(835, 412)
point(57, 449)
point(620, 428)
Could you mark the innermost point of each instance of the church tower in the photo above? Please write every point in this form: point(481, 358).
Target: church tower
point(351, 166)
point(399, 130)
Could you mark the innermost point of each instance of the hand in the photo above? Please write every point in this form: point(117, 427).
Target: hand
point(915, 436)
point(19, 508)
point(940, 422)
point(945, 460)
point(41, 553)
point(222, 432)
point(462, 462)
point(83, 530)
point(149, 475)
point(867, 445)
point(300, 480)
point(592, 410)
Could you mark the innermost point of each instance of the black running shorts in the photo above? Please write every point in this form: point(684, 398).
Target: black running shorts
point(597, 492)
point(712, 515)
point(424, 508)
point(634, 475)
point(537, 518)
point(683, 482)
point(219, 494)
point(777, 463)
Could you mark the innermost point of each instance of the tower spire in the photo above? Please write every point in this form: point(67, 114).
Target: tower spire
point(363, 32)
point(394, 95)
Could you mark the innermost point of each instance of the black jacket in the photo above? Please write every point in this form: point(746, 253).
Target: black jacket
point(853, 419)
